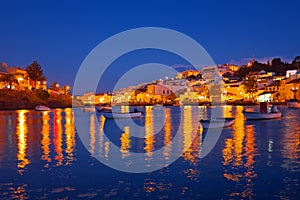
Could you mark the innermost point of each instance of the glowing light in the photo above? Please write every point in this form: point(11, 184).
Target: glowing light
point(149, 128)
point(22, 132)
point(45, 137)
point(187, 133)
point(57, 140)
point(92, 134)
point(167, 139)
point(125, 142)
point(70, 135)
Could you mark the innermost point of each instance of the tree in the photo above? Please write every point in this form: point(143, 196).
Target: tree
point(35, 72)
point(250, 86)
point(296, 62)
point(8, 79)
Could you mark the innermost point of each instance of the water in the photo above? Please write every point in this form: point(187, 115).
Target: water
point(42, 157)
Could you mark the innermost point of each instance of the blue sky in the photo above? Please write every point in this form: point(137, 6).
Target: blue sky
point(61, 34)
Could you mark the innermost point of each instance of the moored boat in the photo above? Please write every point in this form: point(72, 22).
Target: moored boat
point(293, 103)
point(217, 122)
point(42, 108)
point(116, 115)
point(104, 108)
point(260, 115)
point(88, 109)
point(264, 113)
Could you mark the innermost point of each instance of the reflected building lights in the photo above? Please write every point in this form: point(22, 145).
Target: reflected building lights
point(70, 135)
point(241, 146)
point(101, 134)
point(22, 132)
point(92, 134)
point(125, 142)
point(57, 139)
point(167, 139)
point(45, 141)
point(187, 133)
point(149, 137)
point(106, 149)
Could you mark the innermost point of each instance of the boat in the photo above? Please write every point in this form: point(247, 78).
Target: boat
point(264, 113)
point(88, 109)
point(217, 122)
point(260, 115)
point(293, 103)
point(42, 108)
point(104, 108)
point(117, 115)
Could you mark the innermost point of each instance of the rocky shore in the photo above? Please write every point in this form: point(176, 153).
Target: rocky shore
point(14, 100)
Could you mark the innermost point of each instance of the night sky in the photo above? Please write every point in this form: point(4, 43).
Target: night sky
point(60, 35)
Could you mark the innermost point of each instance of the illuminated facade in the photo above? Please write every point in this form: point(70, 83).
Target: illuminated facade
point(23, 81)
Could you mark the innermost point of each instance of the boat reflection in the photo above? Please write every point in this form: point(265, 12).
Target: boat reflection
point(22, 134)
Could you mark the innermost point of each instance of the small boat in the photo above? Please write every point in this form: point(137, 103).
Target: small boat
point(104, 109)
point(117, 115)
point(293, 103)
point(88, 109)
point(42, 108)
point(217, 122)
point(261, 115)
point(264, 113)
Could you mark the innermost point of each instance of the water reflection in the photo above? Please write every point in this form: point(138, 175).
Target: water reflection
point(45, 132)
point(149, 128)
point(57, 140)
point(125, 142)
point(22, 132)
point(167, 138)
point(101, 134)
point(92, 134)
point(70, 135)
point(290, 153)
point(47, 139)
point(238, 157)
point(187, 133)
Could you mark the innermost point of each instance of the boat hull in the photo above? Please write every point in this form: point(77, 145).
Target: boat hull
point(260, 116)
point(217, 123)
point(113, 115)
point(294, 105)
point(88, 109)
point(42, 108)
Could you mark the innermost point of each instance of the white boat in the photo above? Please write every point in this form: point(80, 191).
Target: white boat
point(116, 115)
point(217, 122)
point(42, 108)
point(88, 109)
point(293, 103)
point(104, 109)
point(260, 115)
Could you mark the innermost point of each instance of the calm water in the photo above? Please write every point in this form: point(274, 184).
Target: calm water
point(42, 157)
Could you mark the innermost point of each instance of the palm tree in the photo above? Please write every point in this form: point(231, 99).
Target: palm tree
point(8, 79)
